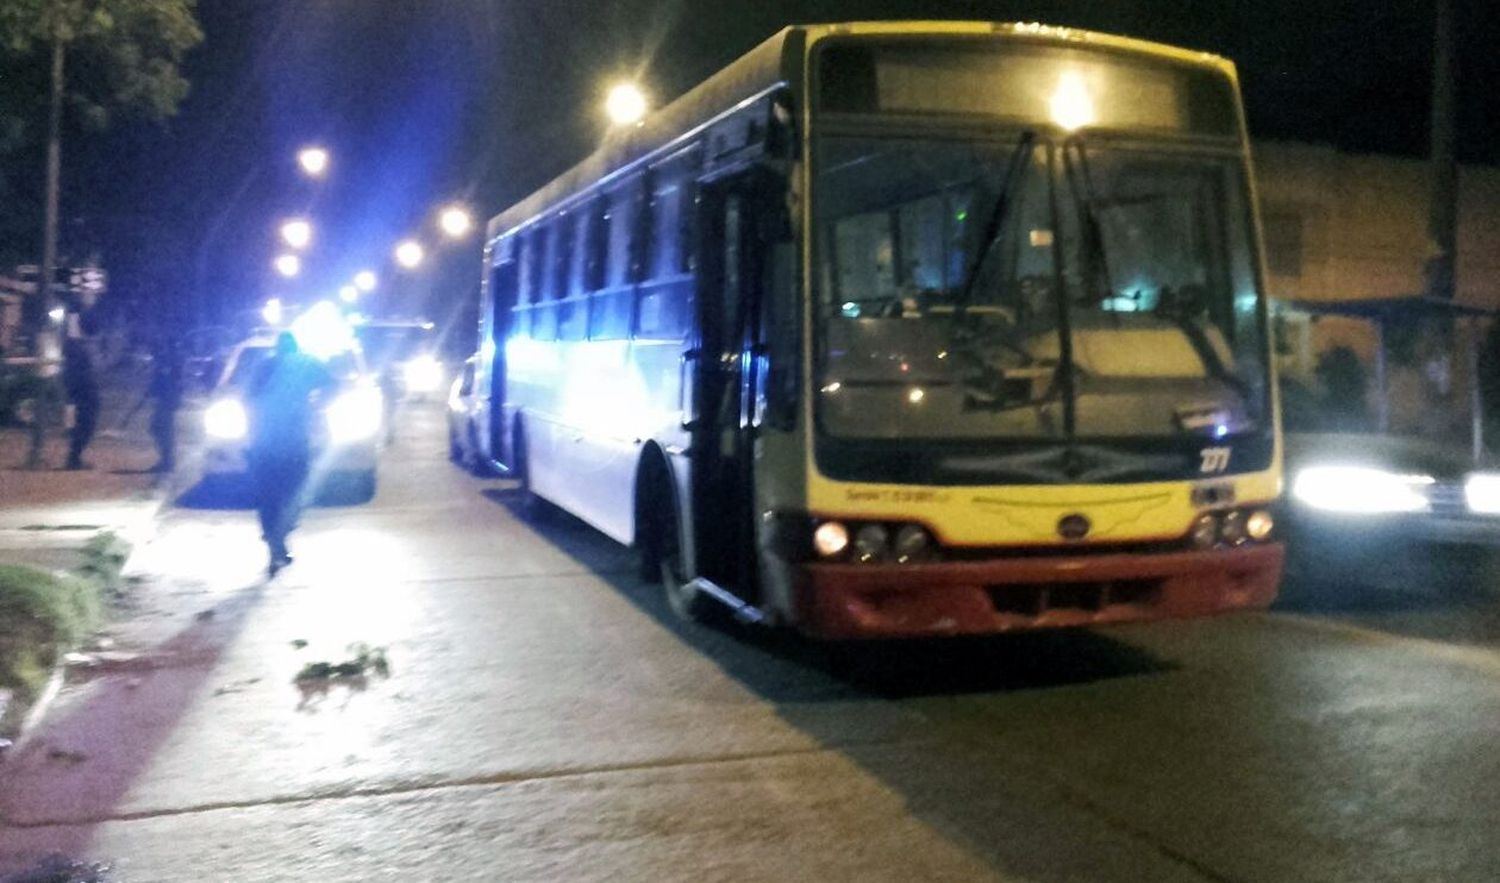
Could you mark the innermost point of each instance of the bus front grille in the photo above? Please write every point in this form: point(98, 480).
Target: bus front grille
point(1032, 600)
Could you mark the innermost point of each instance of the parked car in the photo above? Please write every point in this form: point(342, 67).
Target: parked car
point(403, 356)
point(464, 411)
point(346, 441)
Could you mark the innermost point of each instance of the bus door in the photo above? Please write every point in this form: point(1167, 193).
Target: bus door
point(503, 281)
point(732, 254)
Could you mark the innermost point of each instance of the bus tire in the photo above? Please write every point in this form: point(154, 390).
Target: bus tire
point(662, 553)
point(528, 504)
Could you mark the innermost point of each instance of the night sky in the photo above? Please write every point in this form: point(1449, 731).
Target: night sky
point(425, 101)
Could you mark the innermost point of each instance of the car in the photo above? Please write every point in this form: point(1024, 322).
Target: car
point(464, 411)
point(346, 441)
point(1368, 511)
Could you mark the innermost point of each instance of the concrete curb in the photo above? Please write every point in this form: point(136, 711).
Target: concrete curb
point(137, 539)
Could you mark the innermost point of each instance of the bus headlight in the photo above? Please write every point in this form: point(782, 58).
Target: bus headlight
point(871, 543)
point(830, 539)
point(422, 374)
point(354, 416)
point(911, 544)
point(1205, 532)
point(226, 420)
point(1358, 490)
point(1259, 524)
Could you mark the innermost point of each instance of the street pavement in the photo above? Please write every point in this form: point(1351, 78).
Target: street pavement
point(546, 718)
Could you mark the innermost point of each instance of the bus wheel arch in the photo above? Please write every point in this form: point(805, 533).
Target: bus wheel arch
point(659, 538)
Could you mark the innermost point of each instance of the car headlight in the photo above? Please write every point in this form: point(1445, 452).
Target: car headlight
point(354, 416)
point(227, 420)
point(1361, 491)
point(423, 374)
point(1482, 493)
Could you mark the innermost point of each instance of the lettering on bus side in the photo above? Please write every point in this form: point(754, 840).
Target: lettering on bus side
point(895, 495)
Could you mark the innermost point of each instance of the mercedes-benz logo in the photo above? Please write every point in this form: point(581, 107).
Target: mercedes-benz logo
point(1073, 527)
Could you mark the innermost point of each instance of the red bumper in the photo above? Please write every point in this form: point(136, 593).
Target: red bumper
point(1016, 594)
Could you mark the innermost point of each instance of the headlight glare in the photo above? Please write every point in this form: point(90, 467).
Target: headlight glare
point(1482, 493)
point(1233, 530)
point(423, 374)
point(354, 416)
point(226, 419)
point(830, 539)
point(1359, 490)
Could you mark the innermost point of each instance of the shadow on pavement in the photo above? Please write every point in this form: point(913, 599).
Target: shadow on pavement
point(771, 661)
point(915, 715)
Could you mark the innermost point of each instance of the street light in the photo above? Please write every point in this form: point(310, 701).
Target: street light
point(456, 221)
point(626, 104)
point(297, 233)
point(271, 312)
point(365, 280)
point(348, 294)
point(288, 265)
point(409, 254)
point(313, 160)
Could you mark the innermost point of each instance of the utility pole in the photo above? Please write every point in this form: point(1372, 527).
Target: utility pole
point(43, 339)
point(1442, 225)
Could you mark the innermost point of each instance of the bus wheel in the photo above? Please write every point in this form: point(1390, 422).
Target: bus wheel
point(682, 595)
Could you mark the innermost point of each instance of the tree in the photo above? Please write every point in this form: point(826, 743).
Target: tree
point(128, 54)
point(103, 56)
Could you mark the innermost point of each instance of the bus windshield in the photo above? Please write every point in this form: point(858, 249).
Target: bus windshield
point(1035, 287)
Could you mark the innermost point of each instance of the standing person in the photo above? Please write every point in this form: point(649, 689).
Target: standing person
point(82, 386)
point(280, 451)
point(165, 392)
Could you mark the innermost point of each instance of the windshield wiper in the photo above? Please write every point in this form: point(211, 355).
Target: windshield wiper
point(991, 235)
point(1081, 183)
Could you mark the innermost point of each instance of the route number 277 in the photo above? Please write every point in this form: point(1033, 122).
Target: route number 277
point(1215, 460)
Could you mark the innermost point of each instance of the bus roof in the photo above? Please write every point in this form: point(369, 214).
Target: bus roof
point(778, 61)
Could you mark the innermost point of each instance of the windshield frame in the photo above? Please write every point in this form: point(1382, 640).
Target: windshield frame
point(1231, 153)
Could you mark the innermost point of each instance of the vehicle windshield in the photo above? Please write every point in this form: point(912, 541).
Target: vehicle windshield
point(1032, 287)
point(386, 345)
point(345, 367)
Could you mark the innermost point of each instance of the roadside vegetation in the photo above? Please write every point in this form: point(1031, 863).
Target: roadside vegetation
point(45, 615)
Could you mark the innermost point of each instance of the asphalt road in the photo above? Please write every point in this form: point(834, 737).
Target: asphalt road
point(545, 718)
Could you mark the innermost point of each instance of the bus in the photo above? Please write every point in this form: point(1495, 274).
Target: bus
point(906, 329)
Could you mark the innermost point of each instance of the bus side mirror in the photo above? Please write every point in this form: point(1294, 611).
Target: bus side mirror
point(782, 337)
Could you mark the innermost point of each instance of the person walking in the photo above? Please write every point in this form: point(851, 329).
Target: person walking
point(281, 406)
point(165, 392)
point(82, 386)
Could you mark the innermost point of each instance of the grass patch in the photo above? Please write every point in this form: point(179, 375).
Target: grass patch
point(42, 616)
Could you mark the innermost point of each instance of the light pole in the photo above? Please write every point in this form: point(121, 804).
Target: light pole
point(314, 161)
point(456, 221)
point(297, 233)
point(409, 254)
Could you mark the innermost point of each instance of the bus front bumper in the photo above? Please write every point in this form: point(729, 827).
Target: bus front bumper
point(840, 601)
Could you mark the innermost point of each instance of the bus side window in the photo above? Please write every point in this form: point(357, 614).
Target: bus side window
point(550, 274)
point(533, 256)
point(609, 314)
point(666, 298)
point(573, 310)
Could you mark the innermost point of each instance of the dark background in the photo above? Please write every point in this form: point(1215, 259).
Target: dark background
point(427, 101)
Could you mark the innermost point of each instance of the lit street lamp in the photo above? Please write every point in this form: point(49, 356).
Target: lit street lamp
point(409, 254)
point(297, 233)
point(288, 265)
point(365, 280)
point(313, 160)
point(349, 294)
point(626, 104)
point(271, 312)
point(456, 222)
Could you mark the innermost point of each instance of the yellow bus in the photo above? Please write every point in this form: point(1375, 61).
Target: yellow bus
point(906, 328)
